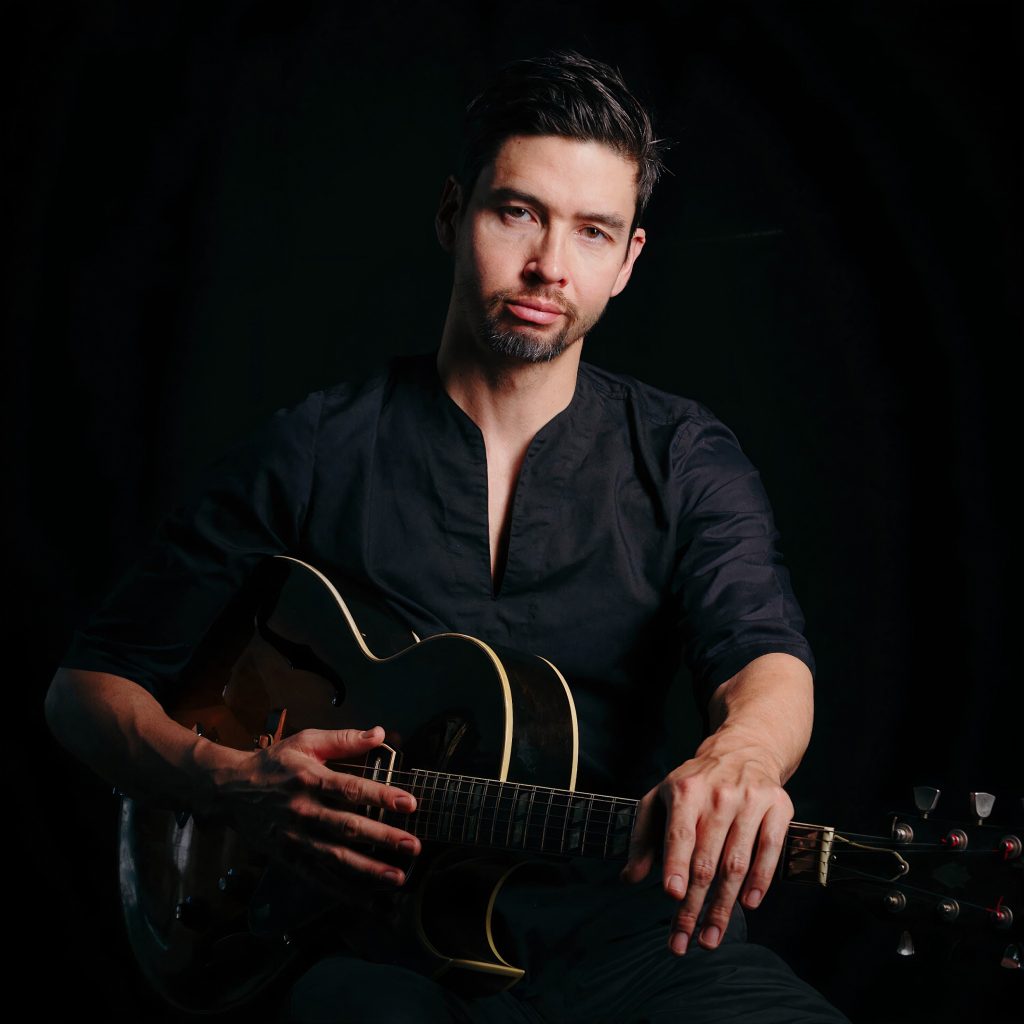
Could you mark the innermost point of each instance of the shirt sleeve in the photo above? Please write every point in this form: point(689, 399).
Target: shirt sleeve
point(247, 505)
point(732, 593)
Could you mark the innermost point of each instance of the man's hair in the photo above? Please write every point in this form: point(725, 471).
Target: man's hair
point(562, 93)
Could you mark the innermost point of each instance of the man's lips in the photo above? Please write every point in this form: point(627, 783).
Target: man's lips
point(535, 311)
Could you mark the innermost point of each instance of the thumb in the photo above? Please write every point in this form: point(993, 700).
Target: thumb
point(641, 843)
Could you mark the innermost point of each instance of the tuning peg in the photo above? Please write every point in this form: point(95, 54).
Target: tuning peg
point(1012, 957)
point(905, 947)
point(981, 806)
point(926, 798)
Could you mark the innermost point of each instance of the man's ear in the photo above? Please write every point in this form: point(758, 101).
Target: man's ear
point(449, 213)
point(633, 250)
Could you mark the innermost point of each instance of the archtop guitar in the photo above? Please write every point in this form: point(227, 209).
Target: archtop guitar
point(486, 739)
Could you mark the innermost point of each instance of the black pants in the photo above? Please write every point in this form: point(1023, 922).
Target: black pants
point(595, 951)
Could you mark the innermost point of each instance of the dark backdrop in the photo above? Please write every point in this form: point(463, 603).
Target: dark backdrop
point(217, 208)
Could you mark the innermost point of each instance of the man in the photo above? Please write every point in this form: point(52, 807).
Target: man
point(507, 490)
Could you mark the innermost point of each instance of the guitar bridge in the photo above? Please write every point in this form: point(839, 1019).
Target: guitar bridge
point(805, 857)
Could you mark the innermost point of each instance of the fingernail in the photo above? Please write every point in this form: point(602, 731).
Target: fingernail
point(369, 732)
point(710, 935)
point(678, 943)
point(405, 803)
point(753, 897)
point(392, 876)
point(677, 886)
point(408, 845)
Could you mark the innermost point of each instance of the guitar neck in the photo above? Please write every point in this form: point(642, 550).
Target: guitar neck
point(468, 811)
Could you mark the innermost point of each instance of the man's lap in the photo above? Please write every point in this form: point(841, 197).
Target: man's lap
point(593, 954)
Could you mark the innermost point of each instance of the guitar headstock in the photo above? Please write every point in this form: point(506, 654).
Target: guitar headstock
point(955, 881)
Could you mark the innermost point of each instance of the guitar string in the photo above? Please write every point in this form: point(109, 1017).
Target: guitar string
point(574, 801)
point(917, 889)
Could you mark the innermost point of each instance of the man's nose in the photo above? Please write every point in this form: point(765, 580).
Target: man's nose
point(547, 261)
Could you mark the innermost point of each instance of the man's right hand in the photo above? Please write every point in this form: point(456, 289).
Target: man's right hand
point(285, 801)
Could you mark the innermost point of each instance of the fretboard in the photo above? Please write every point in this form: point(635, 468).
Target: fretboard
point(469, 811)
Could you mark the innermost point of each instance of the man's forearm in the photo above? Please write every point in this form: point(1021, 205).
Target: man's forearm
point(767, 706)
point(119, 729)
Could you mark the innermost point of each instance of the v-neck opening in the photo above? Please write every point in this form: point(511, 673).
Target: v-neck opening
point(496, 582)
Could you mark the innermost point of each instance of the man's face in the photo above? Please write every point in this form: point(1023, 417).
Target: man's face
point(542, 244)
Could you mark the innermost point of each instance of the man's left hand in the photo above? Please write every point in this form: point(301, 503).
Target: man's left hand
point(725, 817)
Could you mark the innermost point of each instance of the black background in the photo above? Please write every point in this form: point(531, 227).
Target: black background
point(216, 208)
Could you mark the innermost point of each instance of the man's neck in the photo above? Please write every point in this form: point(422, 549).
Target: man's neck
point(507, 399)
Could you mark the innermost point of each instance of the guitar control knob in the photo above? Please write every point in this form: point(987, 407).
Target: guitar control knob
point(926, 799)
point(1012, 957)
point(981, 806)
point(905, 947)
point(192, 912)
point(956, 839)
point(1009, 847)
point(948, 910)
point(894, 901)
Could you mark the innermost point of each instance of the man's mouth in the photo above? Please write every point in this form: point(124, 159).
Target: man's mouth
point(535, 311)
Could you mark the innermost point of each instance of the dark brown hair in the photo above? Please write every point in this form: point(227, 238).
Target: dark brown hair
point(561, 93)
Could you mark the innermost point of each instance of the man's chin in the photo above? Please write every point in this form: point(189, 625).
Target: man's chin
point(524, 348)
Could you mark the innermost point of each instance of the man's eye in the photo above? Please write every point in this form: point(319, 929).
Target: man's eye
point(594, 234)
point(517, 213)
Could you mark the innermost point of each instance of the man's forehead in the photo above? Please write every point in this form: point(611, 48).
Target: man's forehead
point(567, 172)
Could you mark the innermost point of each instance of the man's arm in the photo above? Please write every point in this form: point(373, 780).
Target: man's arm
point(725, 811)
point(282, 799)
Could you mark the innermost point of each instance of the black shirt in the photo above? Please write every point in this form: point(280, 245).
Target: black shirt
point(639, 533)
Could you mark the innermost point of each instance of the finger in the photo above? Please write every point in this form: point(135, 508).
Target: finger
point(353, 828)
point(650, 812)
point(771, 840)
point(679, 845)
point(345, 789)
point(340, 862)
point(732, 870)
point(692, 865)
point(325, 744)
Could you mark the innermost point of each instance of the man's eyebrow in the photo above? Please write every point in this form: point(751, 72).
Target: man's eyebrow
point(609, 220)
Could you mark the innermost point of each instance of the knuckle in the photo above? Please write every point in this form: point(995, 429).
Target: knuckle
point(702, 871)
point(736, 866)
point(681, 832)
point(351, 827)
point(686, 919)
point(351, 790)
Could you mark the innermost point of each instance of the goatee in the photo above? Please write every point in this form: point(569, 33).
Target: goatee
point(525, 343)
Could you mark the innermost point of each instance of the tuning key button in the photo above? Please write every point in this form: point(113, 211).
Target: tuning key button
point(981, 806)
point(956, 839)
point(905, 947)
point(1012, 957)
point(1002, 917)
point(925, 799)
point(1009, 847)
point(902, 832)
point(948, 910)
point(894, 901)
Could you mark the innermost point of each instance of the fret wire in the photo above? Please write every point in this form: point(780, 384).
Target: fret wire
point(547, 814)
point(454, 804)
point(511, 816)
point(529, 813)
point(497, 805)
point(586, 823)
point(565, 824)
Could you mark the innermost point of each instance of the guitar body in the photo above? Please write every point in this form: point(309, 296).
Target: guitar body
point(211, 921)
